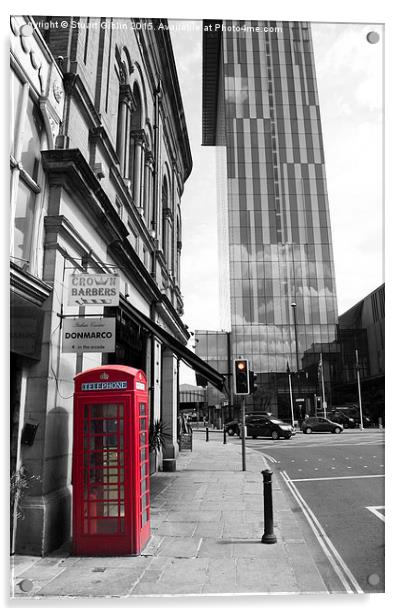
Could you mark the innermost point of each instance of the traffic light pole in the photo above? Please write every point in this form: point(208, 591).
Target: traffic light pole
point(243, 433)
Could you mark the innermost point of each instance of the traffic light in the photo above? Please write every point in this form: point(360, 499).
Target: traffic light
point(252, 381)
point(241, 377)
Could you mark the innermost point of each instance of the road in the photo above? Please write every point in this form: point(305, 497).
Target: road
point(337, 481)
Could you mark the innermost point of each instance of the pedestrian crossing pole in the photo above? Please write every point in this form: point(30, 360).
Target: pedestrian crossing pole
point(291, 399)
point(243, 435)
point(359, 389)
point(323, 390)
point(242, 388)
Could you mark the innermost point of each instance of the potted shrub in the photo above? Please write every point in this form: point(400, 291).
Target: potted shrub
point(157, 440)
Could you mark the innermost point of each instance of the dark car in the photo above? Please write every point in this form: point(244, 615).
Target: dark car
point(339, 416)
point(233, 427)
point(352, 412)
point(268, 426)
point(320, 424)
point(261, 425)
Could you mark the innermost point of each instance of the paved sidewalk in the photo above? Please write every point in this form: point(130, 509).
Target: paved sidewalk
point(207, 522)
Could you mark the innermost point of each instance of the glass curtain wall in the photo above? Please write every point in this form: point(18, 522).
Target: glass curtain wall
point(280, 250)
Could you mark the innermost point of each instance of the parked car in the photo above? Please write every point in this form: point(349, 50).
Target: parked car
point(339, 416)
point(232, 428)
point(352, 412)
point(320, 424)
point(268, 426)
point(261, 425)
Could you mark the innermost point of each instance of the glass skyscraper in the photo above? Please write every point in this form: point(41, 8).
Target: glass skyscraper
point(261, 108)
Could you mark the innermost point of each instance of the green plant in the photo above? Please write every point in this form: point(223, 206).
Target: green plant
point(157, 435)
point(20, 481)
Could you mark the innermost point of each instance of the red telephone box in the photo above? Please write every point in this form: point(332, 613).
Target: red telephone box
point(111, 499)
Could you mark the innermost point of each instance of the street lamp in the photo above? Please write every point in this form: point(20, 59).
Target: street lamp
point(358, 376)
point(294, 308)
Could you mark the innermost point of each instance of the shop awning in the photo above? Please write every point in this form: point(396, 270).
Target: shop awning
point(193, 361)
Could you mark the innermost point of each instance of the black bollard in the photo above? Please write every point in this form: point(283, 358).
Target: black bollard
point(268, 535)
point(207, 434)
point(224, 436)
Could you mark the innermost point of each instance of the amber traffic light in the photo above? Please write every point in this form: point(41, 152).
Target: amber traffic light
point(241, 377)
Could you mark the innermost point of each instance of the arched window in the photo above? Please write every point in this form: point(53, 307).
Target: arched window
point(137, 156)
point(167, 224)
point(137, 110)
point(148, 179)
point(165, 217)
point(123, 120)
point(179, 246)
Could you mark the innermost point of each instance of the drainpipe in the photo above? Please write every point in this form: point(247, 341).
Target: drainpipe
point(152, 366)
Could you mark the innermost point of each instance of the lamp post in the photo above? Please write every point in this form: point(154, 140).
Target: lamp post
point(294, 309)
point(358, 376)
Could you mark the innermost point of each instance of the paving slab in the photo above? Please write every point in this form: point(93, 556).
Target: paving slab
point(207, 523)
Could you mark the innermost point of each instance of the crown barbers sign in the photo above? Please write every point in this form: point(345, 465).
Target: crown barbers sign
point(93, 289)
point(83, 335)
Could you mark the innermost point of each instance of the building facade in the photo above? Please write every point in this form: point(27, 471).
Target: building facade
point(99, 158)
point(362, 329)
point(261, 111)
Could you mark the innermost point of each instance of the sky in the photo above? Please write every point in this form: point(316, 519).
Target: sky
point(350, 87)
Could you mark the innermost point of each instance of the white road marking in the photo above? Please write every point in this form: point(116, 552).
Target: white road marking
point(270, 458)
point(375, 511)
point(344, 574)
point(322, 443)
point(331, 478)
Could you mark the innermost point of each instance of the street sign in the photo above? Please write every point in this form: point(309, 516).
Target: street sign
point(299, 399)
point(93, 289)
point(89, 335)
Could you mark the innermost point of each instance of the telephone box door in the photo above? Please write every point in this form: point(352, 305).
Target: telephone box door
point(102, 502)
point(143, 479)
point(110, 461)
